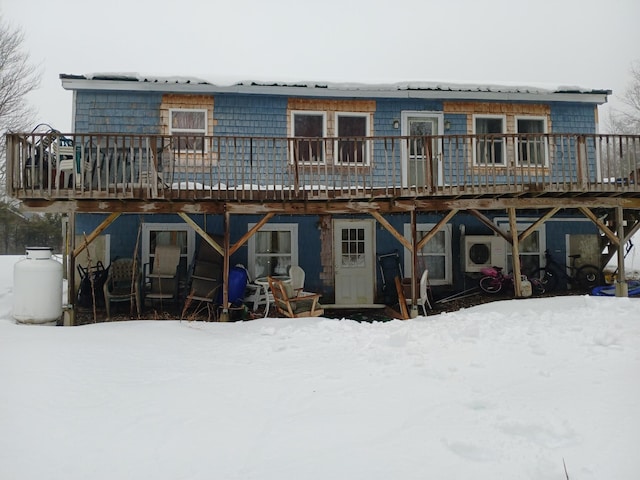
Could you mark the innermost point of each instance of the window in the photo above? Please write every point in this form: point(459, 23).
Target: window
point(191, 126)
point(531, 148)
point(353, 248)
point(273, 249)
point(351, 148)
point(154, 234)
point(308, 126)
point(434, 256)
point(531, 249)
point(489, 147)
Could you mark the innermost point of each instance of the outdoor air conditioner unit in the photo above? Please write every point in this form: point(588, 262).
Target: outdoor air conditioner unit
point(484, 251)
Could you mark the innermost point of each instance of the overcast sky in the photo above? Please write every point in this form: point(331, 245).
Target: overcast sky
point(589, 43)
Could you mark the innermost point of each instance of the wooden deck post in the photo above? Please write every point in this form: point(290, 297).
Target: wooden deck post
point(414, 266)
point(515, 253)
point(622, 288)
point(224, 316)
point(69, 317)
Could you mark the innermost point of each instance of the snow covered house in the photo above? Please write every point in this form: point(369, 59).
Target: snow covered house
point(336, 178)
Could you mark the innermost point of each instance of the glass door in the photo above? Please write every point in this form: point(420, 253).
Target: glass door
point(421, 162)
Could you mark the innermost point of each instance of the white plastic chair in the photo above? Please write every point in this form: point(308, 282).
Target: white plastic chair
point(424, 292)
point(254, 294)
point(297, 279)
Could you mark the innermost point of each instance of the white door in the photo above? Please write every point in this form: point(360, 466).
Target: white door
point(419, 155)
point(354, 262)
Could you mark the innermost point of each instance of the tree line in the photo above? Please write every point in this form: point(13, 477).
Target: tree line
point(18, 231)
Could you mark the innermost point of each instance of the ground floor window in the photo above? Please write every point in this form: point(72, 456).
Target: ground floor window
point(273, 249)
point(531, 248)
point(154, 234)
point(434, 256)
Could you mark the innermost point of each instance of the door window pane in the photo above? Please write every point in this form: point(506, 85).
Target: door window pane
point(353, 248)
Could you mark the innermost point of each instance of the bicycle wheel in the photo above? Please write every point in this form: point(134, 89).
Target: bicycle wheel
point(544, 278)
point(537, 287)
point(588, 276)
point(490, 285)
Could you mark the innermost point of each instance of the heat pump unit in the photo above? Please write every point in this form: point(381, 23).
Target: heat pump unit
point(484, 251)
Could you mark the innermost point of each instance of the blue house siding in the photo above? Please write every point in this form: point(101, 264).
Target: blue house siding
point(266, 116)
point(250, 115)
point(579, 119)
point(117, 112)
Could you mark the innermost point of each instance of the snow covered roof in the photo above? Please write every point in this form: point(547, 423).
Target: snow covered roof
point(434, 90)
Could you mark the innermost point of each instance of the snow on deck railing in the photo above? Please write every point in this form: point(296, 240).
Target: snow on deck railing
point(76, 166)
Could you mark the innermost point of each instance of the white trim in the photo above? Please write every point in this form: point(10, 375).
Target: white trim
point(476, 116)
point(271, 227)
point(318, 89)
point(147, 227)
point(367, 275)
point(521, 225)
point(448, 253)
point(190, 131)
point(292, 132)
point(545, 130)
point(367, 152)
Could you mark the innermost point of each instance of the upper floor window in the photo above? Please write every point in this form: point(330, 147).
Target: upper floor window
point(489, 145)
point(312, 127)
point(531, 145)
point(352, 148)
point(190, 125)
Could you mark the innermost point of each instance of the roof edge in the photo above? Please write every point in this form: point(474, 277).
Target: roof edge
point(427, 90)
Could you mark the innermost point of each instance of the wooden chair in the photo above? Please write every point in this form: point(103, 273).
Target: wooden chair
point(305, 305)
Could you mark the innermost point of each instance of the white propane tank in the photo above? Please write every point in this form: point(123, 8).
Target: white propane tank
point(525, 286)
point(37, 288)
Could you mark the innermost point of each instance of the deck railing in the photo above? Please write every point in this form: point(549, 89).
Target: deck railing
point(116, 166)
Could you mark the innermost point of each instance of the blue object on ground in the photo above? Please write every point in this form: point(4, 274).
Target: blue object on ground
point(610, 290)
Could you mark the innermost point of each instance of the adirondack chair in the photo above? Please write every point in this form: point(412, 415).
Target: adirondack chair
point(305, 305)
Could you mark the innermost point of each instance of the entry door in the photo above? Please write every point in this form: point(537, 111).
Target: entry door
point(354, 262)
point(417, 151)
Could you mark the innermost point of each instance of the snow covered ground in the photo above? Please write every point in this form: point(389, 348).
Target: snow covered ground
point(506, 390)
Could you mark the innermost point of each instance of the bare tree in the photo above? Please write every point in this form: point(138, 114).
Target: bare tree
point(18, 77)
point(627, 120)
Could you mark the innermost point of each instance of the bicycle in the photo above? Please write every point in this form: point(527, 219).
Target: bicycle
point(585, 277)
point(494, 280)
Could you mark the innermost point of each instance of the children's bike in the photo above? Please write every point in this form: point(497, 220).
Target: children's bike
point(493, 281)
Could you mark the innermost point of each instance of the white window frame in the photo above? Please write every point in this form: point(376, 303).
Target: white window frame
point(475, 140)
point(148, 227)
point(367, 151)
point(190, 131)
point(447, 254)
point(521, 225)
point(293, 113)
point(544, 139)
point(292, 228)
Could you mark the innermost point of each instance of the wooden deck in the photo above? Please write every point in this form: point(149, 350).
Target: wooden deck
point(155, 174)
